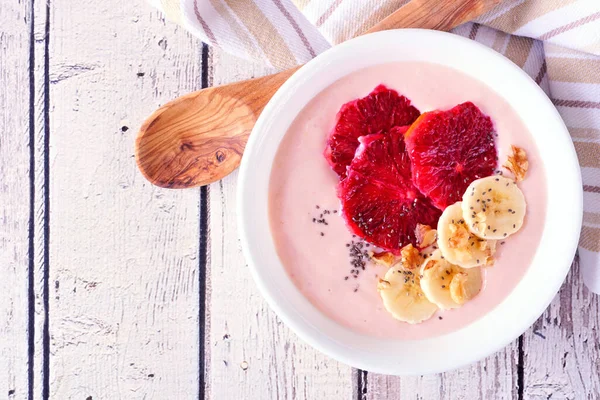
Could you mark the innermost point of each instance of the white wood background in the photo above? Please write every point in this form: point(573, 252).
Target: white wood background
point(111, 288)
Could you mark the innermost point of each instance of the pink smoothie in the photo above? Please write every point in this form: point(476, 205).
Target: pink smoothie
point(316, 255)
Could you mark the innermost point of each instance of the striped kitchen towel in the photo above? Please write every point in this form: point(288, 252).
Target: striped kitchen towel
point(557, 42)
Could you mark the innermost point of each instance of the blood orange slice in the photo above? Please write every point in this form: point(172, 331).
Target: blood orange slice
point(379, 201)
point(378, 112)
point(449, 150)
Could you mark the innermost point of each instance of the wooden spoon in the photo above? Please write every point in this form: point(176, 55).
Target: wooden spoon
point(199, 138)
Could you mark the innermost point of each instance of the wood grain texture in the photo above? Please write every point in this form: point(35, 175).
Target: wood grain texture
point(491, 379)
point(250, 353)
point(436, 14)
point(123, 266)
point(15, 20)
point(562, 349)
point(200, 137)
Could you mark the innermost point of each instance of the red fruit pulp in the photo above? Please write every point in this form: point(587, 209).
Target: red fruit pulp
point(449, 150)
point(379, 201)
point(378, 112)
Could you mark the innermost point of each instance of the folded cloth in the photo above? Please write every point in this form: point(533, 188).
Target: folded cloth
point(557, 42)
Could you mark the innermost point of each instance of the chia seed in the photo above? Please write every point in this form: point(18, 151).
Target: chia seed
point(358, 256)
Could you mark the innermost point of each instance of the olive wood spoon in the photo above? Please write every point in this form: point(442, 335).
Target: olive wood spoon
point(199, 138)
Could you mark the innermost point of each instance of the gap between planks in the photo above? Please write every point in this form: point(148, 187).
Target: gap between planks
point(39, 201)
point(203, 259)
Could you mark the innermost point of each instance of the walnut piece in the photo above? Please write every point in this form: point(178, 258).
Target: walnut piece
point(517, 163)
point(426, 235)
point(460, 236)
point(489, 247)
point(467, 247)
point(383, 284)
point(411, 257)
point(464, 287)
point(459, 288)
point(384, 258)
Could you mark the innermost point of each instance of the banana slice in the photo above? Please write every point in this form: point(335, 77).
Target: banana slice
point(464, 287)
point(447, 285)
point(493, 207)
point(402, 296)
point(458, 245)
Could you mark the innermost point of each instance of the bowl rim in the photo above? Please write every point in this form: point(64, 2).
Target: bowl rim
point(359, 350)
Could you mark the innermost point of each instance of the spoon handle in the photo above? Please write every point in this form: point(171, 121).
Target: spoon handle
point(441, 15)
point(199, 138)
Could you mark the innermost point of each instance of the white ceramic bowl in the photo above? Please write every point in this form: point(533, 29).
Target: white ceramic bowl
point(533, 293)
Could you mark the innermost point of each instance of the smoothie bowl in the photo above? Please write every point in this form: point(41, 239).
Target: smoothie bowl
point(409, 202)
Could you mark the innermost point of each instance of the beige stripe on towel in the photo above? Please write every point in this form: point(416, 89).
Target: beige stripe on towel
point(588, 153)
point(240, 33)
point(518, 49)
point(500, 42)
point(585, 133)
point(590, 238)
point(301, 4)
point(173, 10)
point(262, 29)
point(574, 70)
point(591, 218)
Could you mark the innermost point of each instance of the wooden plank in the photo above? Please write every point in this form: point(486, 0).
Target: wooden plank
point(123, 254)
point(492, 378)
point(15, 20)
point(249, 350)
point(562, 349)
point(40, 255)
